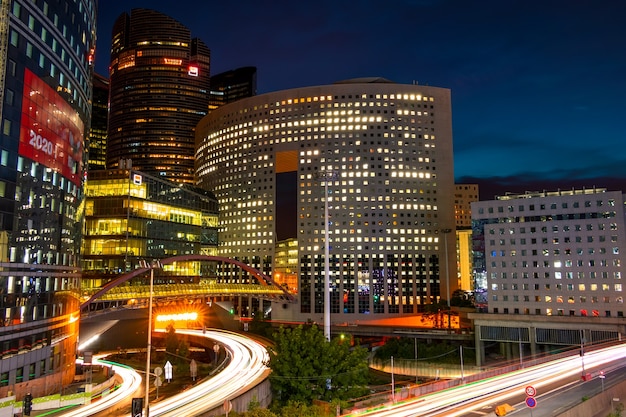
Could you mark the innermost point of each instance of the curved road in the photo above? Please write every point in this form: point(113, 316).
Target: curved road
point(246, 369)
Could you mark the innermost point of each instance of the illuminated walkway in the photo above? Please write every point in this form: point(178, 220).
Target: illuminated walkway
point(118, 293)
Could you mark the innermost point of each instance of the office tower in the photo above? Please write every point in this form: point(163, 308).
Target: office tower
point(232, 85)
point(551, 253)
point(99, 118)
point(46, 107)
point(159, 80)
point(383, 153)
point(131, 216)
point(464, 196)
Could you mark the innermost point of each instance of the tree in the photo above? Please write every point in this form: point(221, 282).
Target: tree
point(259, 412)
point(177, 349)
point(258, 325)
point(305, 366)
point(301, 410)
point(171, 339)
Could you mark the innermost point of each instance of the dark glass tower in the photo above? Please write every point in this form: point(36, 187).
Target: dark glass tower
point(159, 92)
point(46, 72)
point(99, 119)
point(232, 85)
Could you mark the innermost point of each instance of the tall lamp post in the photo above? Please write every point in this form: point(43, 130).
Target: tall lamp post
point(152, 266)
point(445, 245)
point(326, 176)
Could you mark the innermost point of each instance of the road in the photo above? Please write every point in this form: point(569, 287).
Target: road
point(247, 367)
point(479, 398)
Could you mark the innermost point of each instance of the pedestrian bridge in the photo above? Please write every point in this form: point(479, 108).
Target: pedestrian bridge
point(119, 293)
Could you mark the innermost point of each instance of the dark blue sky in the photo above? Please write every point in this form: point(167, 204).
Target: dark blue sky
point(538, 87)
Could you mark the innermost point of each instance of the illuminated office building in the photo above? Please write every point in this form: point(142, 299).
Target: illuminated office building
point(464, 196)
point(551, 253)
point(46, 71)
point(99, 121)
point(385, 150)
point(131, 216)
point(159, 80)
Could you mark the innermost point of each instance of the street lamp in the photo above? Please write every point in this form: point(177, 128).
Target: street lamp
point(152, 266)
point(326, 176)
point(445, 245)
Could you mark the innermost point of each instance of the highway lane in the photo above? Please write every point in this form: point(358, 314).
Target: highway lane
point(131, 383)
point(478, 396)
point(247, 367)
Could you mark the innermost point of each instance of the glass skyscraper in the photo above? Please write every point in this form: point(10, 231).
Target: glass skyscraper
point(159, 80)
point(46, 109)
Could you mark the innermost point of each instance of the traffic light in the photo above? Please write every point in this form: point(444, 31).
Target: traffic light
point(137, 407)
point(28, 404)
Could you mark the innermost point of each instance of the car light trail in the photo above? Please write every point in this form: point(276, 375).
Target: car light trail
point(247, 367)
point(495, 389)
point(131, 381)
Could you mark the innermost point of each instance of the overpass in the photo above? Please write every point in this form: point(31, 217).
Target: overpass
point(118, 292)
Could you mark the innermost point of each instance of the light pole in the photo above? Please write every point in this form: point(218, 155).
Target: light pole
point(445, 245)
point(154, 265)
point(326, 176)
point(582, 353)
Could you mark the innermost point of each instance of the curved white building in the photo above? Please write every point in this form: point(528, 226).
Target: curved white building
point(386, 149)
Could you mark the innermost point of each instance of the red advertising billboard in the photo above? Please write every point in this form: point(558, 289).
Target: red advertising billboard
point(51, 132)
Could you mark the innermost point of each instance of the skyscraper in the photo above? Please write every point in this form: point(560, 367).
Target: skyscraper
point(46, 108)
point(232, 85)
point(384, 153)
point(159, 80)
point(99, 121)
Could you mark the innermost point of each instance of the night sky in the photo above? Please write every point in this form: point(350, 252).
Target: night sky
point(538, 87)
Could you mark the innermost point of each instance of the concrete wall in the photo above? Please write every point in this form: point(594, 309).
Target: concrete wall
point(599, 405)
point(261, 394)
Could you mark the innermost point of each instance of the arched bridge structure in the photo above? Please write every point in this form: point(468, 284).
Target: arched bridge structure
point(114, 292)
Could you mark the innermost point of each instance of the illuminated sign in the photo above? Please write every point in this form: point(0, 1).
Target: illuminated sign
point(193, 70)
point(51, 133)
point(193, 316)
point(172, 61)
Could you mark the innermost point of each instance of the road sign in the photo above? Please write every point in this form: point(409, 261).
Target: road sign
point(168, 371)
point(531, 391)
point(158, 371)
point(531, 402)
point(193, 369)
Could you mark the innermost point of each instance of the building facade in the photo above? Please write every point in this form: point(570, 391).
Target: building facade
point(159, 81)
point(232, 85)
point(46, 108)
point(375, 154)
point(97, 139)
point(464, 196)
point(551, 253)
point(131, 217)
